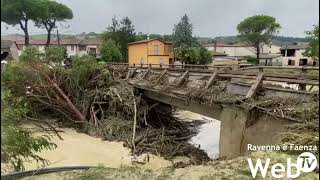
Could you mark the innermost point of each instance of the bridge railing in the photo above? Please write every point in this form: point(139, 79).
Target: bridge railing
point(238, 67)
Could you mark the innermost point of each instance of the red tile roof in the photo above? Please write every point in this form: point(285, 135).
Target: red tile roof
point(62, 42)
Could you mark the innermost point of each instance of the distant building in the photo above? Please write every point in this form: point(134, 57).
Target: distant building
point(74, 47)
point(267, 59)
point(241, 49)
point(9, 50)
point(293, 55)
point(150, 51)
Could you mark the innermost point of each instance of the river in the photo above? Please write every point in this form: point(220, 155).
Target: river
point(78, 149)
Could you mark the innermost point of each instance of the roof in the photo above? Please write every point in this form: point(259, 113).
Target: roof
point(148, 40)
point(6, 44)
point(62, 42)
point(295, 46)
point(269, 56)
point(227, 45)
point(214, 53)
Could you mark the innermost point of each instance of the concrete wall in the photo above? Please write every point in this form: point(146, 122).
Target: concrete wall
point(240, 127)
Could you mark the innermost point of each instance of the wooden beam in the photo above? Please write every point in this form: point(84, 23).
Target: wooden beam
point(254, 88)
point(181, 79)
point(145, 73)
point(211, 80)
point(161, 75)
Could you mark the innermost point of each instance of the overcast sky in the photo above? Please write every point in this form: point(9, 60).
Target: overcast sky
point(210, 17)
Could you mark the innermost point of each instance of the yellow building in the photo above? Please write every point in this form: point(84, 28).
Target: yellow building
point(150, 51)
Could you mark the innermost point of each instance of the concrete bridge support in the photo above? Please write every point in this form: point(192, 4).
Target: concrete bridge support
point(240, 127)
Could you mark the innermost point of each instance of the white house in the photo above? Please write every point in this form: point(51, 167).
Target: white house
point(293, 55)
point(240, 49)
point(74, 47)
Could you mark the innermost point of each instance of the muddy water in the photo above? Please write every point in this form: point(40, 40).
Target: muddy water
point(78, 149)
point(209, 132)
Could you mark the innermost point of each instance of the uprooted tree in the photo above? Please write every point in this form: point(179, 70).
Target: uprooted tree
point(89, 97)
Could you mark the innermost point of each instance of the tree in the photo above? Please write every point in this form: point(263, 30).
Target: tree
point(313, 47)
point(258, 30)
point(122, 33)
point(194, 55)
point(110, 51)
point(51, 13)
point(182, 34)
point(20, 12)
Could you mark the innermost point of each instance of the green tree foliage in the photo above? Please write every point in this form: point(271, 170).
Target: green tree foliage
point(122, 33)
point(55, 54)
point(30, 54)
point(258, 30)
point(313, 48)
point(194, 55)
point(182, 34)
point(110, 51)
point(20, 12)
point(18, 145)
point(51, 13)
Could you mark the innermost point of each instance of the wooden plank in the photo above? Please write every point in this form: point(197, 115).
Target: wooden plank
point(131, 73)
point(125, 68)
point(181, 79)
point(255, 86)
point(145, 73)
point(211, 80)
point(160, 77)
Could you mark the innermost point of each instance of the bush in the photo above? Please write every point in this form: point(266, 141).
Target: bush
point(30, 54)
point(110, 51)
point(55, 54)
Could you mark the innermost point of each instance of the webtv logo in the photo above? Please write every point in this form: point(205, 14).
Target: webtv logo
point(306, 162)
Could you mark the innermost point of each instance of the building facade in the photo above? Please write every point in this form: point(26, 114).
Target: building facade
point(150, 51)
point(74, 47)
point(241, 50)
point(293, 55)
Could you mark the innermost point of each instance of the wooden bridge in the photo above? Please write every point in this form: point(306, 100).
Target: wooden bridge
point(224, 93)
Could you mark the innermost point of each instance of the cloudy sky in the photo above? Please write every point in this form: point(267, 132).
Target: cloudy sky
point(210, 17)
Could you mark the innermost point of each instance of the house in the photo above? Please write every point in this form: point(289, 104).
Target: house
point(74, 47)
point(293, 55)
point(9, 50)
point(269, 59)
point(150, 51)
point(241, 49)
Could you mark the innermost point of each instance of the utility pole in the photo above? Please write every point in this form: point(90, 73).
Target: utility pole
point(58, 38)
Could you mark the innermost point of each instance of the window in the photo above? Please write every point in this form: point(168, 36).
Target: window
point(92, 51)
point(156, 49)
point(291, 62)
point(141, 60)
point(303, 62)
point(82, 48)
point(291, 52)
point(72, 47)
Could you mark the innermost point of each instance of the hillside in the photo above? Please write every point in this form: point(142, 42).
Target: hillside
point(279, 40)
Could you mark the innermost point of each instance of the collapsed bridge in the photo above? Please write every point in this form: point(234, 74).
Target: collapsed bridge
point(252, 103)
